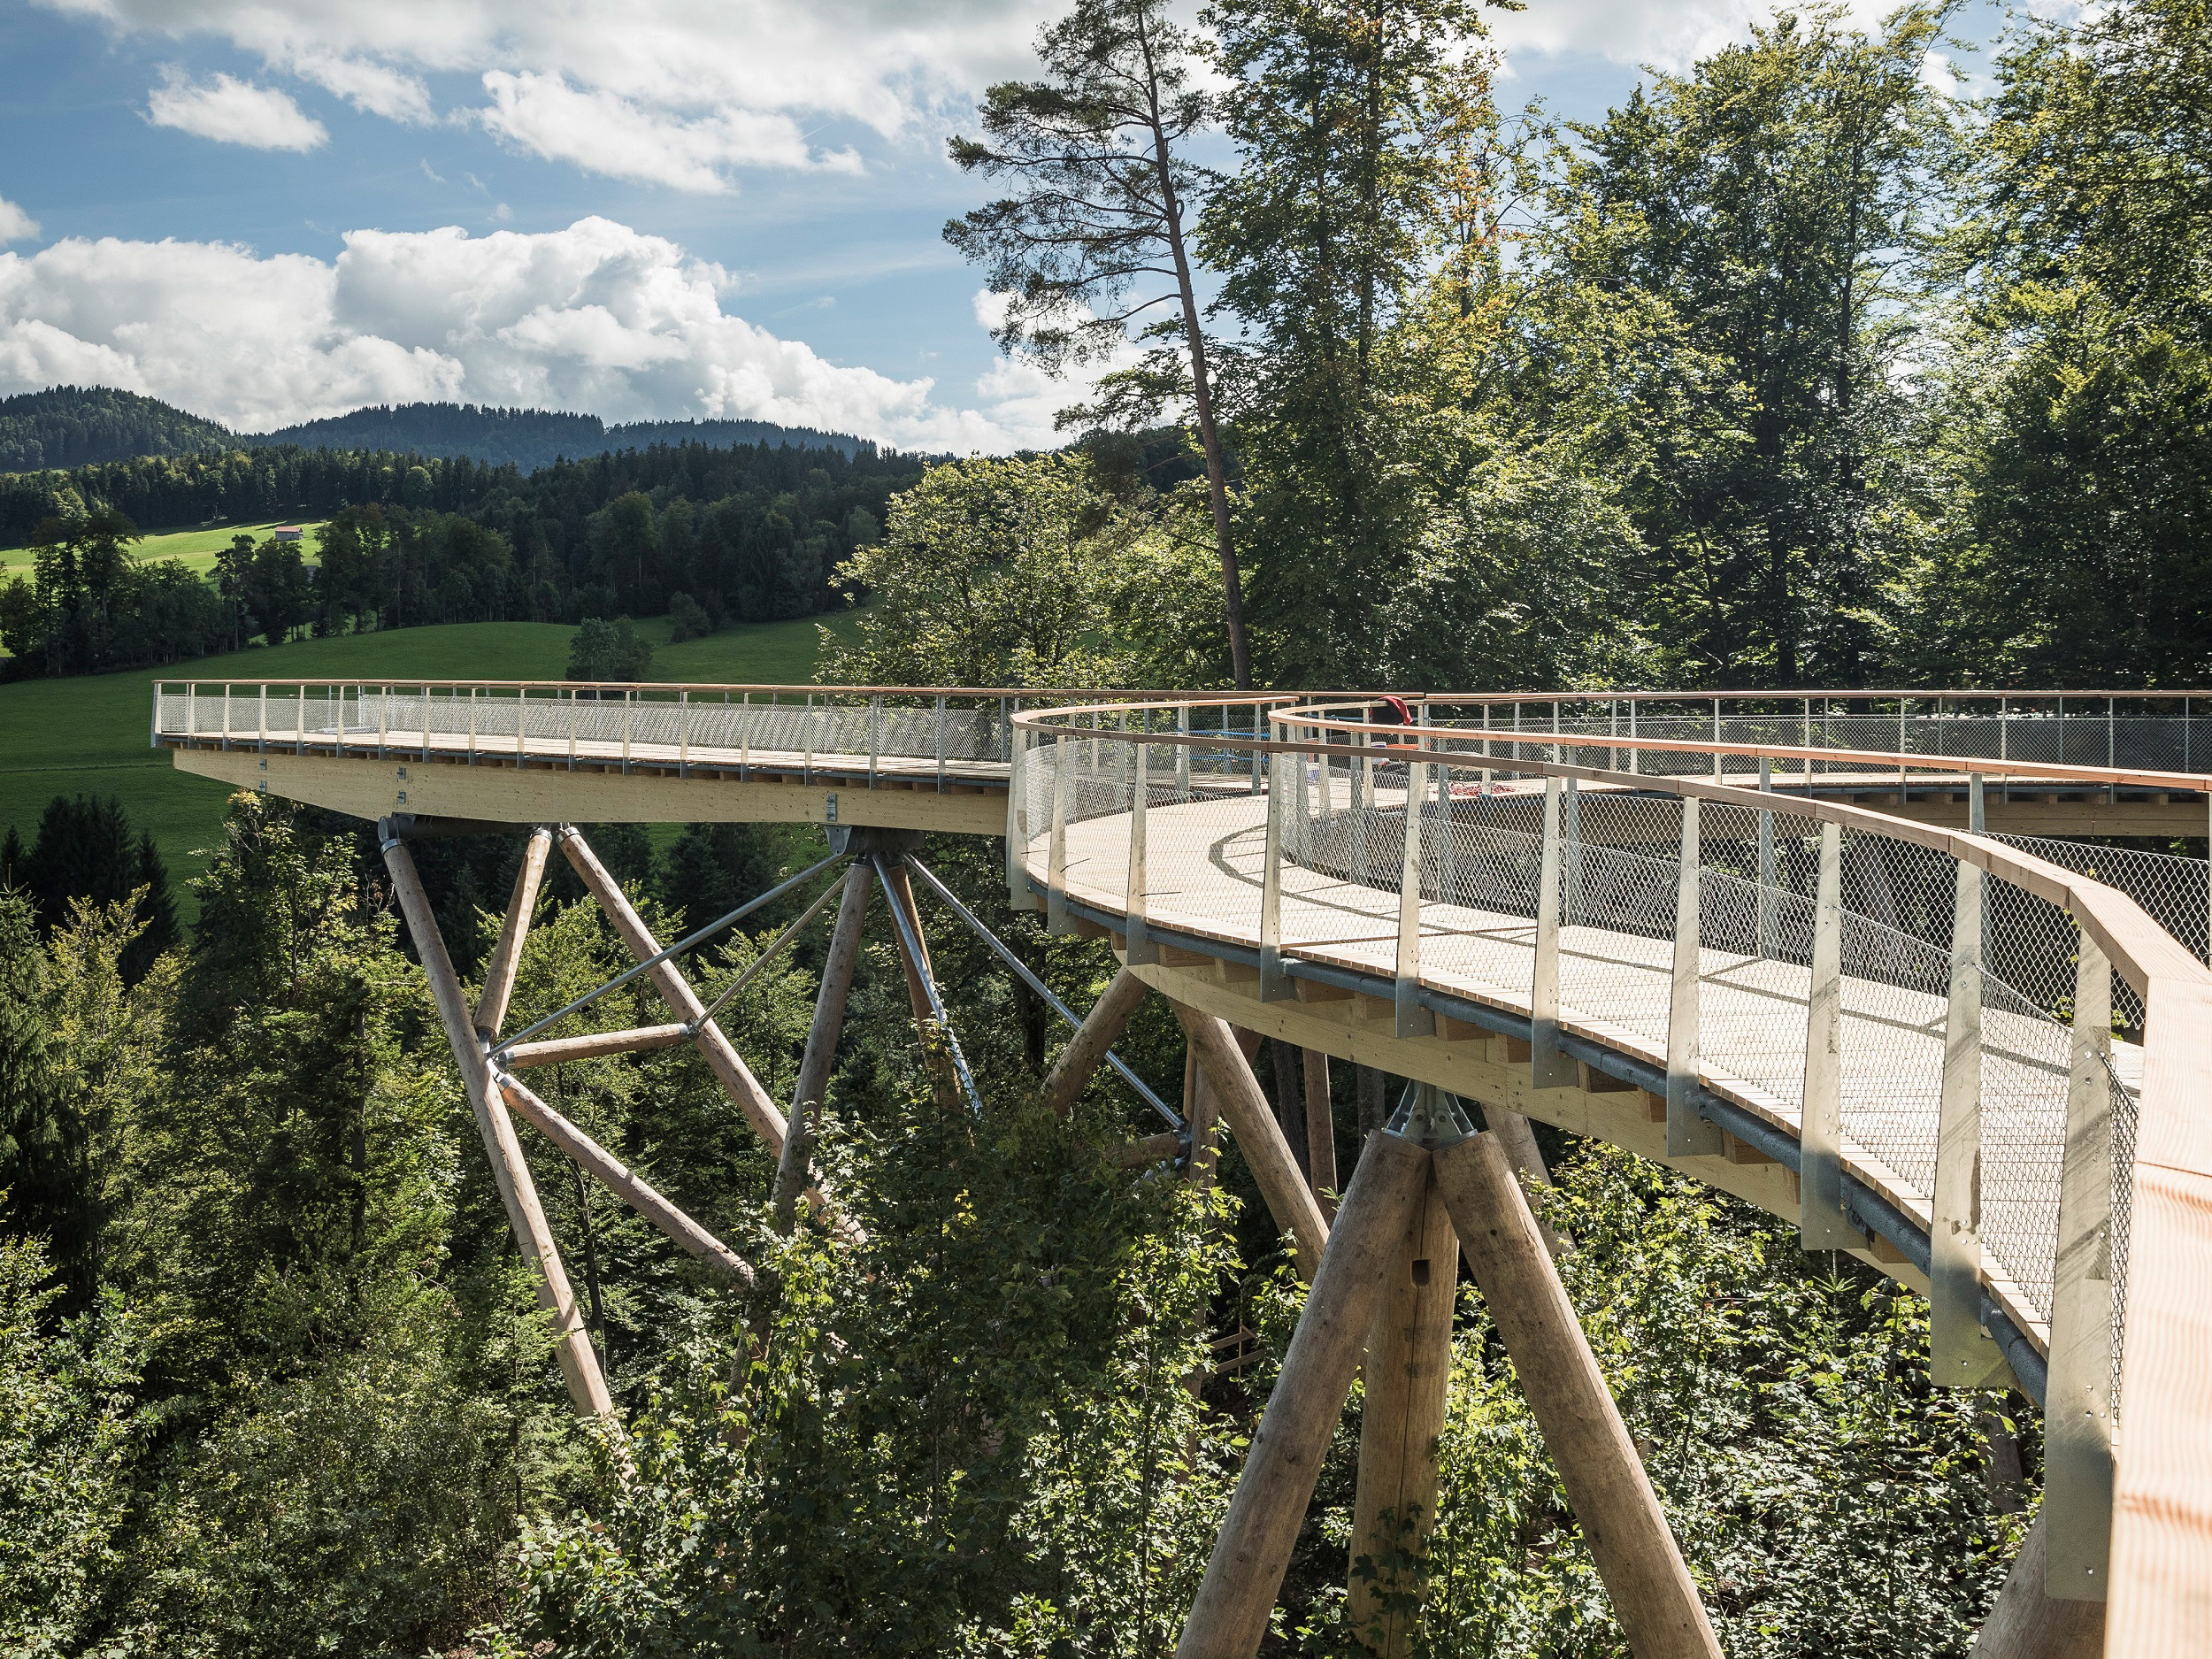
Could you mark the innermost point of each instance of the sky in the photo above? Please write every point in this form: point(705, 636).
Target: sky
point(269, 210)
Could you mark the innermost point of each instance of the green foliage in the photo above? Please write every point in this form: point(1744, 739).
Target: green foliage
point(85, 851)
point(71, 426)
point(69, 1443)
point(606, 650)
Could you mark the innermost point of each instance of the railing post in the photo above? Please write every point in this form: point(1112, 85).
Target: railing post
point(1257, 757)
point(744, 734)
point(875, 735)
point(261, 716)
point(1413, 1019)
point(1689, 1134)
point(629, 695)
point(426, 706)
point(1962, 1354)
point(1057, 853)
point(572, 747)
point(1275, 985)
point(806, 769)
point(1182, 753)
point(1634, 760)
point(2077, 1395)
point(1018, 895)
point(383, 718)
point(1139, 948)
point(683, 732)
point(227, 715)
point(1823, 1222)
point(1013, 747)
point(1548, 1068)
point(1765, 927)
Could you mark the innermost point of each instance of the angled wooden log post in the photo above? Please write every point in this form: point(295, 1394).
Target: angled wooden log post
point(736, 1076)
point(594, 1045)
point(626, 1183)
point(1517, 1138)
point(2024, 1623)
point(794, 1167)
point(1086, 1052)
point(1201, 1116)
point(1252, 1120)
point(1408, 1365)
point(510, 1172)
point(898, 893)
point(1229, 1615)
point(1320, 1132)
point(499, 973)
point(1653, 1595)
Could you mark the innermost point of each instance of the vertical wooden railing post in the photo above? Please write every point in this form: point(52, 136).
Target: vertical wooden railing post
point(1139, 948)
point(1822, 1223)
point(1413, 1020)
point(2078, 1396)
point(1962, 1354)
point(1057, 851)
point(1275, 985)
point(1689, 1134)
point(1548, 1067)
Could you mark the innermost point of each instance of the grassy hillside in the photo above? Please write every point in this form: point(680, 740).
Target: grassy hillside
point(88, 735)
point(196, 548)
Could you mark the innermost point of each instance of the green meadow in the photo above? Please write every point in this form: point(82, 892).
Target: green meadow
point(196, 548)
point(89, 734)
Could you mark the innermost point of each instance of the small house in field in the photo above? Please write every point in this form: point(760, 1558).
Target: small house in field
point(289, 533)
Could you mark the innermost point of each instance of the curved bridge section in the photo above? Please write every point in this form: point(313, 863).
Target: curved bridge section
point(1812, 975)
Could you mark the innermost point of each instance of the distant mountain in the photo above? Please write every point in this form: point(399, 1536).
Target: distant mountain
point(84, 426)
point(531, 438)
point(79, 425)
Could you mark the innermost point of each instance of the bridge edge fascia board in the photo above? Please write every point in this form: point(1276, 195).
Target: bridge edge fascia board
point(1876, 1214)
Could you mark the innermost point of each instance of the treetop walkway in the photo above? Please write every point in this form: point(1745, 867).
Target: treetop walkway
point(1841, 961)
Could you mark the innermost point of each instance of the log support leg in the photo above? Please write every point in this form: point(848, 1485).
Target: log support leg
point(1246, 1570)
point(1652, 1595)
point(937, 1039)
point(1517, 1139)
point(734, 1075)
point(1229, 1074)
point(1101, 1029)
point(794, 1167)
point(1320, 1132)
point(2025, 1623)
point(1409, 1363)
point(499, 973)
point(510, 1172)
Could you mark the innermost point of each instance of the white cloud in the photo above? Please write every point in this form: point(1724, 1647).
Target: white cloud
point(597, 317)
point(15, 224)
point(234, 111)
point(672, 91)
point(1671, 33)
point(603, 132)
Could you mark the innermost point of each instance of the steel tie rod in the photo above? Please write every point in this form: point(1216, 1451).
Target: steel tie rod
point(1028, 977)
point(680, 946)
point(766, 955)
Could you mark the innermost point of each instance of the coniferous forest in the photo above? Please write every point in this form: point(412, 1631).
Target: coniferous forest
point(1803, 366)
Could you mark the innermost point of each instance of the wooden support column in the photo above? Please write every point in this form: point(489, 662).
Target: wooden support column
point(1229, 1615)
point(2024, 1623)
point(594, 1045)
point(1258, 1135)
point(1408, 1363)
point(510, 1172)
point(734, 1075)
point(898, 891)
point(1517, 1138)
point(793, 1167)
point(1320, 1132)
point(1653, 1595)
point(626, 1183)
point(499, 974)
point(1101, 1029)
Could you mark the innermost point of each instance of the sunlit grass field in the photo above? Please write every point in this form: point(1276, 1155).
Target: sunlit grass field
point(89, 734)
point(196, 548)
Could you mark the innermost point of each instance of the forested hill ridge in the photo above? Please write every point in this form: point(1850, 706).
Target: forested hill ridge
point(531, 438)
point(67, 426)
point(74, 425)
